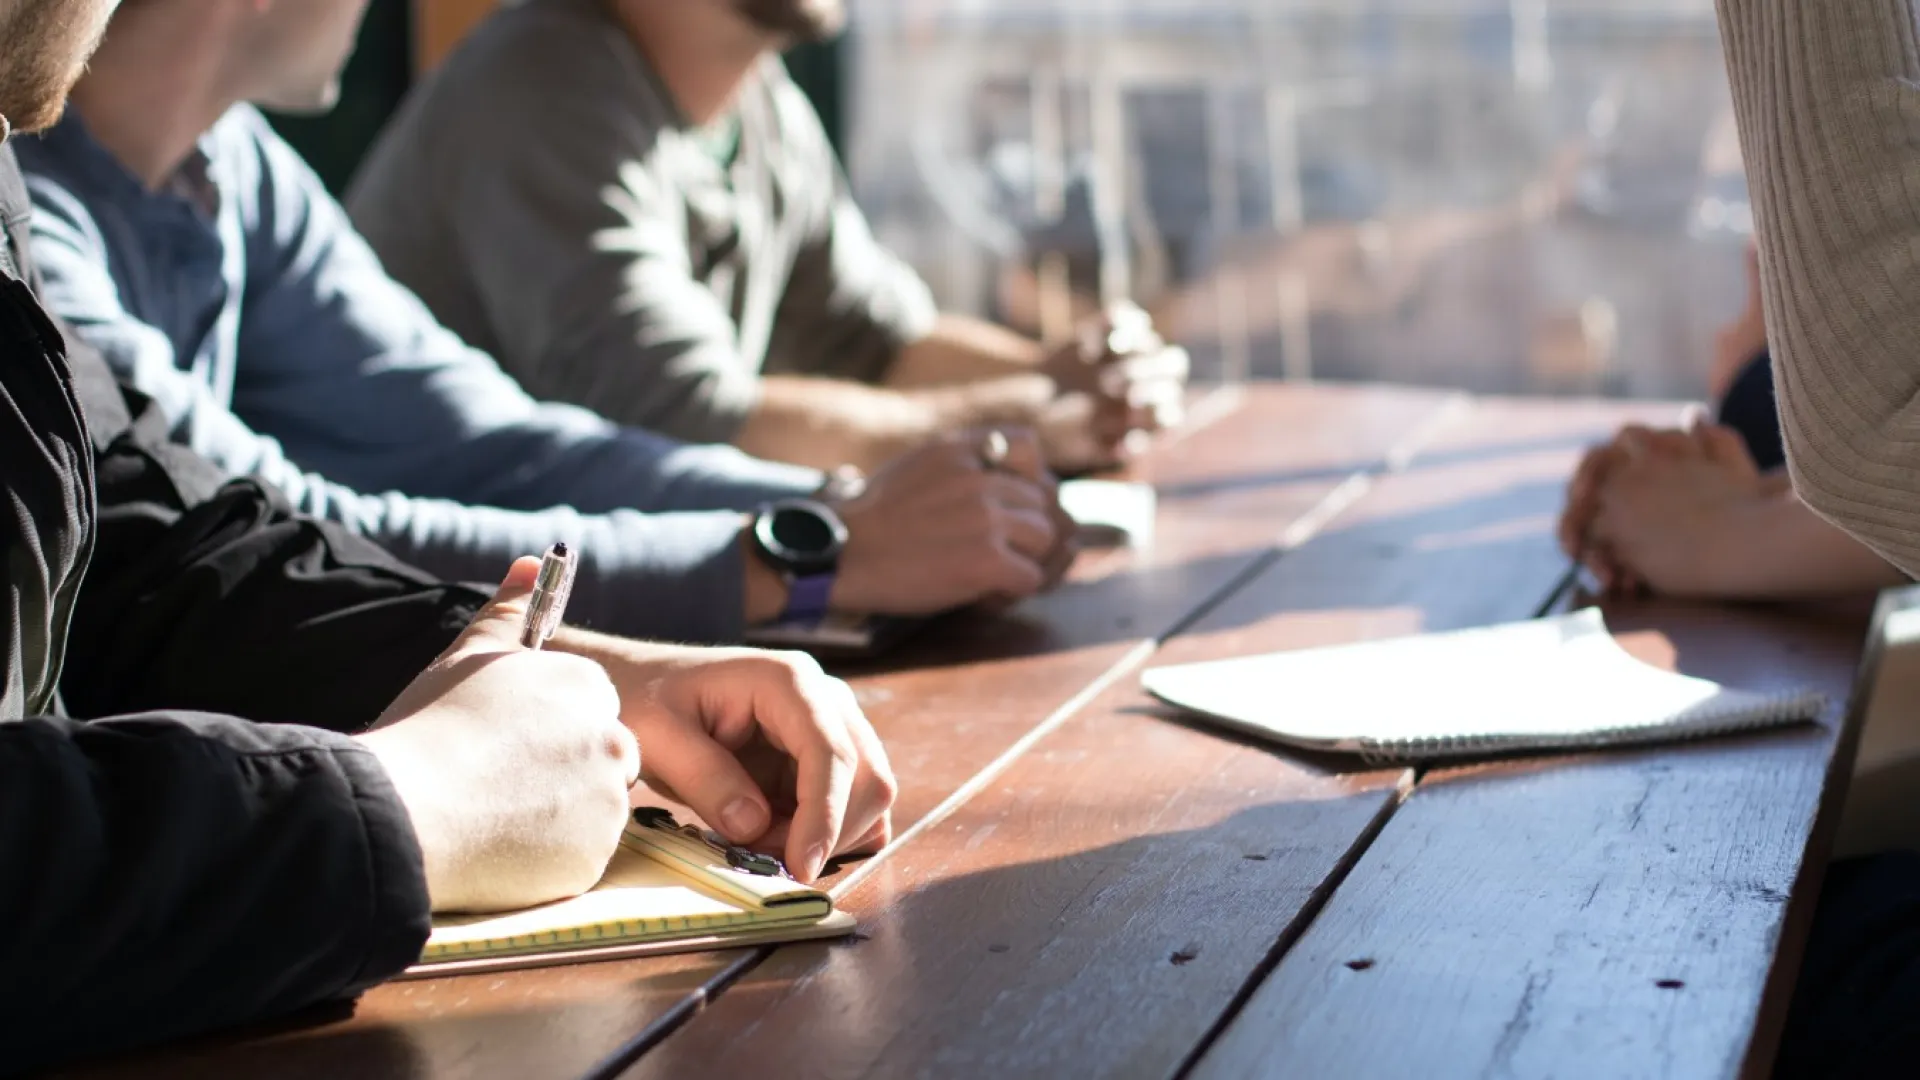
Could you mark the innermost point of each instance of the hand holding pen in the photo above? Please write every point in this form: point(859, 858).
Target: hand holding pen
point(512, 761)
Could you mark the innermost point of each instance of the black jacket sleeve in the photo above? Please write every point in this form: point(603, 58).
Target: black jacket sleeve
point(166, 874)
point(214, 595)
point(172, 874)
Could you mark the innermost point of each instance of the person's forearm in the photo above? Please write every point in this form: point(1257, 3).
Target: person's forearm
point(675, 576)
point(1781, 550)
point(1827, 96)
point(962, 349)
point(826, 423)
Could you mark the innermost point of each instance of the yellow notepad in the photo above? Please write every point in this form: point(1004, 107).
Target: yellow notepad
point(669, 888)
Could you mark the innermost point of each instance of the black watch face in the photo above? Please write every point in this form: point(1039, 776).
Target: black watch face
point(805, 537)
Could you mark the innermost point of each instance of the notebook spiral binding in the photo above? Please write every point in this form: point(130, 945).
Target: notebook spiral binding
point(1700, 722)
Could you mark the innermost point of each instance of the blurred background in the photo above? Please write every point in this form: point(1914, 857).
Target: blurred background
point(1508, 196)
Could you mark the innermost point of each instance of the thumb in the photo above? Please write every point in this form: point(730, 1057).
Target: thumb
point(500, 621)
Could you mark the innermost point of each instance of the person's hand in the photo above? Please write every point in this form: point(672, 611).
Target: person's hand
point(512, 764)
point(769, 750)
point(1668, 513)
point(942, 527)
point(1583, 498)
point(1737, 343)
point(1116, 382)
point(1576, 526)
point(1575, 530)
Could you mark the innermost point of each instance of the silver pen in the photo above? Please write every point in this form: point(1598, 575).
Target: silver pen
point(548, 604)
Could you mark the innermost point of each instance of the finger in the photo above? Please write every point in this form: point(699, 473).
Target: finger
point(1024, 456)
point(1017, 493)
point(1593, 468)
point(1581, 493)
point(1128, 329)
point(1170, 412)
point(823, 781)
point(1162, 367)
point(500, 620)
point(626, 750)
point(1060, 559)
point(709, 778)
point(1671, 443)
point(1008, 573)
point(1612, 571)
point(1724, 446)
point(1144, 416)
point(868, 822)
point(875, 838)
point(1031, 532)
point(1633, 441)
point(1113, 420)
point(1155, 392)
point(1568, 531)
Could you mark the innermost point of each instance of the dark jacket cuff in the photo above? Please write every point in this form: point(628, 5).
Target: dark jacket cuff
point(399, 910)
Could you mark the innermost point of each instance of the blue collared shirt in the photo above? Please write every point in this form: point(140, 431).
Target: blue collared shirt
point(242, 300)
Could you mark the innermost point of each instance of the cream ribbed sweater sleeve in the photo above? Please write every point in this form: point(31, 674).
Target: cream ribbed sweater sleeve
point(1827, 93)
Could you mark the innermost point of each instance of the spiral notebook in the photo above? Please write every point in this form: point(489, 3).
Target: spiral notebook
point(1552, 684)
point(669, 888)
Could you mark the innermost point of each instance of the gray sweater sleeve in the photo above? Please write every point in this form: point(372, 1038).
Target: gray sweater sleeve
point(565, 247)
point(570, 248)
point(1827, 95)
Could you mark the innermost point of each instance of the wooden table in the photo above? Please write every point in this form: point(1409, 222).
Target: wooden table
point(1086, 886)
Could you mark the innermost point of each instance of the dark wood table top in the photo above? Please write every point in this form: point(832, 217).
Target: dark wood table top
point(1086, 885)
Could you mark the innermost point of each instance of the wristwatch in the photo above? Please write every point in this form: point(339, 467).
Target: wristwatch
point(802, 539)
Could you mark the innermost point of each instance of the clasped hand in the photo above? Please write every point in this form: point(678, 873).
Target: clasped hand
point(1116, 382)
point(1657, 509)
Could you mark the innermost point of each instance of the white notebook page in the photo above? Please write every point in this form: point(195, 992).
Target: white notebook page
point(1554, 682)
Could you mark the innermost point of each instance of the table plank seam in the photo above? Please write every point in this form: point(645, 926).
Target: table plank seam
point(1304, 528)
point(1557, 594)
point(1308, 912)
point(667, 1023)
point(1396, 459)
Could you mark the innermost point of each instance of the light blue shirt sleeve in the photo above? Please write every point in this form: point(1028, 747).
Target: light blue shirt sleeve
point(383, 397)
point(674, 575)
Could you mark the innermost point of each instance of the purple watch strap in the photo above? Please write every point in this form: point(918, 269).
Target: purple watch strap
point(807, 598)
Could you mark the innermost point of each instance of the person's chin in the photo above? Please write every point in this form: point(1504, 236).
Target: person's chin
point(795, 24)
point(315, 102)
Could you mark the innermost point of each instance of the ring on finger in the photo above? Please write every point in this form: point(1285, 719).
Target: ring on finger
point(994, 450)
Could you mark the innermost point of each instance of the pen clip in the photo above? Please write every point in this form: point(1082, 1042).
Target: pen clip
point(737, 857)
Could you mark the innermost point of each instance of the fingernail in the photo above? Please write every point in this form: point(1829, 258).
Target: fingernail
point(742, 820)
point(816, 861)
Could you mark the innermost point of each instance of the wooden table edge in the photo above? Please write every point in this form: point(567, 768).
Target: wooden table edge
point(1763, 1044)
